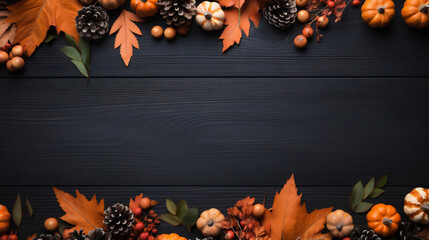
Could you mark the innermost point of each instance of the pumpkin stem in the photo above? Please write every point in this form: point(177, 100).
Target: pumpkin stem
point(387, 221)
point(208, 15)
point(210, 222)
point(339, 227)
point(381, 9)
point(425, 207)
point(424, 8)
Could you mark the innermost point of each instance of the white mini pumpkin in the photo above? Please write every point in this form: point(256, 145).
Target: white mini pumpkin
point(416, 205)
point(210, 16)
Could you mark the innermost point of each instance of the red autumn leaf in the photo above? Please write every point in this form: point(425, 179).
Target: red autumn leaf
point(125, 38)
point(236, 21)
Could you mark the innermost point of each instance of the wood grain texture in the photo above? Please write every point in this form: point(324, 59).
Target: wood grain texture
point(213, 131)
point(45, 205)
point(349, 48)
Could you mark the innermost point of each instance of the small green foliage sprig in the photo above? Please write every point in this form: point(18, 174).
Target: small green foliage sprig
point(180, 214)
point(360, 193)
point(80, 54)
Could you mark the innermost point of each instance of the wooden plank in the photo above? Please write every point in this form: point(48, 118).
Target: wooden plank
point(349, 48)
point(213, 131)
point(45, 205)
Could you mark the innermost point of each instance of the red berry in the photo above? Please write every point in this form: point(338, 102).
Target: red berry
point(13, 237)
point(154, 231)
point(137, 211)
point(308, 32)
point(151, 237)
point(229, 235)
point(330, 4)
point(242, 223)
point(4, 237)
point(250, 226)
point(139, 227)
point(355, 3)
point(144, 235)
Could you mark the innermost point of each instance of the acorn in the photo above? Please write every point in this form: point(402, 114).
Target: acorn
point(145, 203)
point(170, 33)
point(18, 51)
point(157, 32)
point(51, 224)
point(258, 210)
point(303, 16)
point(322, 21)
point(4, 57)
point(300, 41)
point(15, 64)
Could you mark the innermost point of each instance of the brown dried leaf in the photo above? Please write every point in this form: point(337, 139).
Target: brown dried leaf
point(7, 30)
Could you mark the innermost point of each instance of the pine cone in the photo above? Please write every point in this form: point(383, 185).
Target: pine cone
point(5, 3)
point(177, 12)
point(119, 219)
point(408, 231)
point(98, 234)
point(92, 22)
point(47, 237)
point(363, 234)
point(281, 13)
point(77, 235)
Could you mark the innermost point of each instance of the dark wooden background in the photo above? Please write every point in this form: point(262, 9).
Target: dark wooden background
point(185, 121)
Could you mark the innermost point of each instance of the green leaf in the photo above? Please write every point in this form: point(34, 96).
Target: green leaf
point(191, 217)
point(71, 41)
point(49, 38)
point(363, 207)
point(17, 211)
point(170, 218)
point(381, 182)
point(29, 207)
point(81, 67)
point(369, 187)
point(171, 206)
point(61, 227)
point(85, 49)
point(376, 193)
point(71, 52)
point(182, 209)
point(357, 195)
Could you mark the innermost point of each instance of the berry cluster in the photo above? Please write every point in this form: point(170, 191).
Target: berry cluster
point(11, 236)
point(318, 11)
point(147, 220)
point(12, 56)
point(242, 220)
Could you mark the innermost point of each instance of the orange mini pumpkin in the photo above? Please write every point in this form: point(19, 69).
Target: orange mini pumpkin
point(383, 219)
point(144, 8)
point(4, 219)
point(172, 236)
point(378, 13)
point(416, 13)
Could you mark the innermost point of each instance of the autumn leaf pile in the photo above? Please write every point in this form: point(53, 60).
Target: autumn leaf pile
point(238, 15)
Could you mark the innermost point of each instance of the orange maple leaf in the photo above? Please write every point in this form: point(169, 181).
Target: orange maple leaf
point(33, 18)
point(232, 3)
point(7, 30)
point(125, 38)
point(289, 219)
point(237, 21)
point(84, 214)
